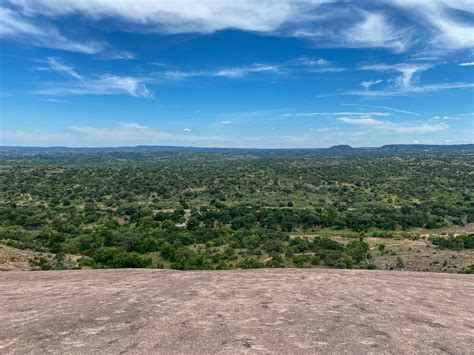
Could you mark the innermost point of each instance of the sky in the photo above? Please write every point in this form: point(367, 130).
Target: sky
point(241, 73)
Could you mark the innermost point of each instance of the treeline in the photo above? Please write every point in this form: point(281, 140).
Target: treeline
point(454, 243)
point(199, 248)
point(66, 218)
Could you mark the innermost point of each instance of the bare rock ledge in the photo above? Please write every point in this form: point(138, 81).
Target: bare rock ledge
point(285, 311)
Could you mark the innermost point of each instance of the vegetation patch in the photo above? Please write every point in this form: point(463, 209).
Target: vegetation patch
point(230, 210)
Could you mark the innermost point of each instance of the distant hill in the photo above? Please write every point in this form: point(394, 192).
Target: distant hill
point(334, 150)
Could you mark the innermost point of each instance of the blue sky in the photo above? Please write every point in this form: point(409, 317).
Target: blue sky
point(236, 74)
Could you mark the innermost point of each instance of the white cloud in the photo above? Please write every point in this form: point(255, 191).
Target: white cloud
point(125, 55)
point(226, 122)
point(54, 100)
point(468, 64)
point(103, 84)
point(367, 84)
point(446, 118)
point(312, 62)
point(375, 31)
point(366, 121)
point(239, 72)
point(316, 65)
point(436, 23)
point(409, 72)
point(15, 26)
point(187, 130)
point(405, 83)
point(449, 30)
point(134, 125)
point(305, 64)
point(182, 16)
point(420, 89)
point(178, 75)
point(387, 108)
point(232, 73)
point(408, 128)
point(304, 114)
point(57, 65)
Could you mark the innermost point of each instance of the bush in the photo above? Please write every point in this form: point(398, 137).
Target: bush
point(114, 257)
point(454, 243)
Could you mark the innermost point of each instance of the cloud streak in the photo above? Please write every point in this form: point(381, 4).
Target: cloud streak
point(307, 114)
point(23, 29)
point(419, 89)
point(367, 84)
point(301, 64)
point(315, 65)
point(406, 82)
point(409, 73)
point(387, 108)
point(232, 72)
point(408, 128)
point(103, 84)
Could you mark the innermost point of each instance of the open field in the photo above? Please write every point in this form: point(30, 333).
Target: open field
point(238, 311)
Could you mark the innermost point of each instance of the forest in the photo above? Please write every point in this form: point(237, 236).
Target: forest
point(223, 210)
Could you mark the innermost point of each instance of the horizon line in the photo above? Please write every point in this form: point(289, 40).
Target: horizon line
point(239, 148)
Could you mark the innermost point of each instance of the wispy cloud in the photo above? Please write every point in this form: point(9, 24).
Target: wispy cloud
point(438, 25)
point(386, 108)
point(57, 65)
point(14, 25)
point(103, 84)
point(315, 65)
point(409, 73)
point(232, 73)
point(367, 84)
point(306, 114)
point(467, 64)
point(406, 82)
point(54, 100)
point(454, 117)
point(450, 31)
point(419, 89)
point(301, 64)
point(376, 31)
point(409, 128)
point(239, 72)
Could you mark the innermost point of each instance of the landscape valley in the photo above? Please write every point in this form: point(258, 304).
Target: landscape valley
point(223, 210)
